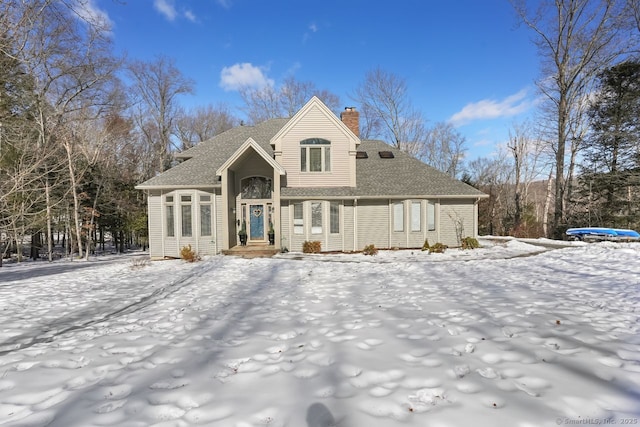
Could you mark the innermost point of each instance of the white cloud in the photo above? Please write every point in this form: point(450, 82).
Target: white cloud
point(243, 75)
point(225, 3)
point(190, 15)
point(88, 11)
point(313, 27)
point(167, 8)
point(492, 109)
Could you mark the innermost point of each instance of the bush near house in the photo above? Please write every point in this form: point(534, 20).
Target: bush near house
point(311, 247)
point(470, 243)
point(425, 246)
point(188, 254)
point(437, 248)
point(370, 250)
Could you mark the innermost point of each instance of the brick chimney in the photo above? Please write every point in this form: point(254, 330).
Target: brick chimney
point(351, 118)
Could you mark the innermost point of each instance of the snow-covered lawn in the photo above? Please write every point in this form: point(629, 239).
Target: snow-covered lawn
point(490, 337)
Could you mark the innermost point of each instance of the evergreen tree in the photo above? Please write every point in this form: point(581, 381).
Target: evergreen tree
point(611, 169)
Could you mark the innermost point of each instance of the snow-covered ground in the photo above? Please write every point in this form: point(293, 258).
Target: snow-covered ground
point(499, 336)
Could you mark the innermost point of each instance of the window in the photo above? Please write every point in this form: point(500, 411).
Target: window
point(185, 210)
point(431, 216)
point(298, 224)
point(170, 219)
point(315, 155)
point(334, 217)
point(416, 215)
point(316, 218)
point(256, 187)
point(398, 216)
point(205, 220)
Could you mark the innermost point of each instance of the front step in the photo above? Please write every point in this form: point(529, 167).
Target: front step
point(252, 251)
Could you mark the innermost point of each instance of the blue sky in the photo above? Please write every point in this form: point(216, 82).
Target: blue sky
point(464, 61)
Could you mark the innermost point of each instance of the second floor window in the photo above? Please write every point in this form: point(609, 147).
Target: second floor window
point(315, 155)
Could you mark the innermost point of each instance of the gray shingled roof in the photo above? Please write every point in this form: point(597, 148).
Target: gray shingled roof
point(205, 158)
point(375, 177)
point(402, 175)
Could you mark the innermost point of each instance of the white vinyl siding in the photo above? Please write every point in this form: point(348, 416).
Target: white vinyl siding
point(156, 223)
point(338, 163)
point(372, 221)
point(456, 220)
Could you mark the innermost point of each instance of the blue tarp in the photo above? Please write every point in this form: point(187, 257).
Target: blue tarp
point(603, 232)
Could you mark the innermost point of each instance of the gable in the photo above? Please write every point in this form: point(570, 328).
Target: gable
point(312, 120)
point(316, 126)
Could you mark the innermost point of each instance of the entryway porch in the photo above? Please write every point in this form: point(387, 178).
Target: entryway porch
point(252, 250)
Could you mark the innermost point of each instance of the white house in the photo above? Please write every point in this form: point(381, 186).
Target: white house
point(308, 178)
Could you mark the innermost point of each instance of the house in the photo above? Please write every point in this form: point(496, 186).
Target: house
point(309, 178)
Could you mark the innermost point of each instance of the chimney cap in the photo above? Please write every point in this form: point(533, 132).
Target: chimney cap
point(350, 108)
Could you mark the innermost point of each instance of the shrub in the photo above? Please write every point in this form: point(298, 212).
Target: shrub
point(140, 262)
point(425, 246)
point(370, 250)
point(437, 248)
point(311, 247)
point(470, 243)
point(188, 254)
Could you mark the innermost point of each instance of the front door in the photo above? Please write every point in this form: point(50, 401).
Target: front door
point(256, 222)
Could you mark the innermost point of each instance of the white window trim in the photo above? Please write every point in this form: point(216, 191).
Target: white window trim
point(416, 217)
point(325, 165)
point(398, 217)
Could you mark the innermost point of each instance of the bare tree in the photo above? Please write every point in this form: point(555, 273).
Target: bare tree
point(526, 151)
point(444, 148)
point(491, 175)
point(70, 61)
point(203, 123)
point(156, 88)
point(388, 112)
point(270, 102)
point(575, 39)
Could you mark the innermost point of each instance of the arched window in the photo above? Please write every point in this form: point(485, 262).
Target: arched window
point(315, 155)
point(256, 187)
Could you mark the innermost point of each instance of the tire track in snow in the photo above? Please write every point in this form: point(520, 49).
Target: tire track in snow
point(147, 300)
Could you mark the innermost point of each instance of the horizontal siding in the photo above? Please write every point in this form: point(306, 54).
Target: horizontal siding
point(347, 225)
point(456, 214)
point(316, 125)
point(285, 226)
point(218, 221)
point(373, 224)
point(154, 206)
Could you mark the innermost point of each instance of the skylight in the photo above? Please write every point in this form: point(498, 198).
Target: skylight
point(361, 155)
point(386, 154)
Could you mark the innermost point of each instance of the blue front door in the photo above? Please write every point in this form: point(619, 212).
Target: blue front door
point(256, 222)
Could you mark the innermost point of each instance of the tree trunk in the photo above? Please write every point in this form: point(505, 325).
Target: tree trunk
point(90, 231)
point(547, 206)
point(76, 201)
point(49, 227)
